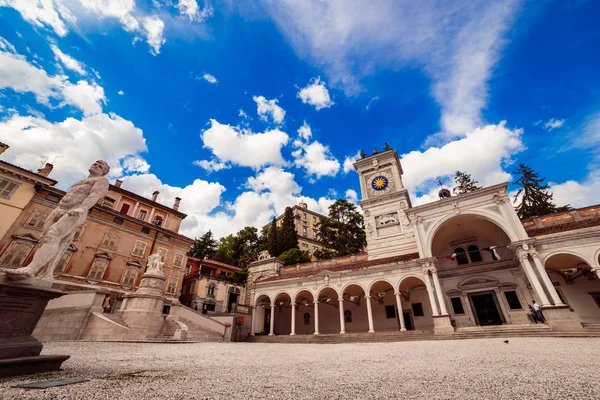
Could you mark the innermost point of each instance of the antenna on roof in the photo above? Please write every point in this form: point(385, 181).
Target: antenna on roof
point(44, 159)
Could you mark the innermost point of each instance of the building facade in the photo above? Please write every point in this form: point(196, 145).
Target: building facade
point(307, 227)
point(458, 263)
point(110, 250)
point(206, 289)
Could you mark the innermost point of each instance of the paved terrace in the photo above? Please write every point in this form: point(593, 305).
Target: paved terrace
point(531, 368)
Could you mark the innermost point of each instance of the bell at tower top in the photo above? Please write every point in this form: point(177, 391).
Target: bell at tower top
point(380, 174)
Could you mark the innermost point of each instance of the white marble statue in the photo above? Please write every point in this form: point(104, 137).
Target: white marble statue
point(387, 219)
point(61, 224)
point(155, 264)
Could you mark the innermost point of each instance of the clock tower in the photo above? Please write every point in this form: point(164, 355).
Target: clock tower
point(384, 201)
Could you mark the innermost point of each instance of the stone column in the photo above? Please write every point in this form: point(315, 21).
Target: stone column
point(400, 314)
point(342, 322)
point(546, 279)
point(271, 333)
point(253, 324)
point(293, 332)
point(434, 308)
point(438, 291)
point(369, 314)
point(316, 317)
point(530, 273)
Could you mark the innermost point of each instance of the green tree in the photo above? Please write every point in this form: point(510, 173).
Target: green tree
point(250, 242)
point(206, 245)
point(225, 250)
point(464, 182)
point(294, 256)
point(535, 197)
point(274, 247)
point(343, 232)
point(289, 237)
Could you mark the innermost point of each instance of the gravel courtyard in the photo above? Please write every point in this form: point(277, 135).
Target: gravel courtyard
point(552, 368)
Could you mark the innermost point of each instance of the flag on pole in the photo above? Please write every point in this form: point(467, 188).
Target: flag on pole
point(571, 271)
point(495, 255)
point(451, 257)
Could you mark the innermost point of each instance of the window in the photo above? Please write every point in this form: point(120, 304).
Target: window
point(118, 221)
point(139, 249)
point(53, 198)
point(461, 256)
point(305, 245)
point(15, 254)
point(314, 219)
point(187, 269)
point(125, 209)
point(206, 272)
point(130, 277)
point(37, 220)
point(146, 230)
point(314, 234)
point(457, 305)
point(79, 232)
point(98, 269)
point(172, 285)
point(142, 215)
point(211, 290)
point(158, 220)
point(304, 231)
point(474, 253)
point(7, 188)
point(61, 266)
point(513, 300)
point(108, 202)
point(418, 310)
point(208, 307)
point(162, 253)
point(595, 296)
point(178, 261)
point(110, 240)
point(390, 312)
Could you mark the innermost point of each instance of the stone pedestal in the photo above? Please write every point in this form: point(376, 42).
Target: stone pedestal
point(142, 310)
point(442, 325)
point(560, 318)
point(21, 307)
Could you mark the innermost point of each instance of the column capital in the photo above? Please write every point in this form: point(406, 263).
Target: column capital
point(534, 254)
point(340, 300)
point(316, 302)
point(294, 304)
point(397, 293)
point(272, 305)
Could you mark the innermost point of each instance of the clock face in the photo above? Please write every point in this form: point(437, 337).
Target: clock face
point(380, 183)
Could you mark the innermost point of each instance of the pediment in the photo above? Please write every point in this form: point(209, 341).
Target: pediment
point(478, 282)
point(104, 255)
point(322, 274)
point(28, 237)
point(72, 248)
point(134, 263)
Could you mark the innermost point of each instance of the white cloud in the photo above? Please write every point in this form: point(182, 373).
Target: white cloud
point(349, 161)
point(191, 9)
point(6, 46)
point(316, 94)
point(68, 61)
point(482, 153)
point(153, 28)
point(314, 157)
point(266, 108)
point(578, 194)
point(75, 144)
point(211, 165)
point(352, 196)
point(243, 147)
point(242, 114)
point(209, 78)
point(22, 77)
point(120, 93)
point(42, 13)
point(456, 45)
point(371, 102)
point(553, 123)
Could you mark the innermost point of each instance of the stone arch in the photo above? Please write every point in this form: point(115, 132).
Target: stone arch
point(597, 258)
point(372, 283)
point(322, 288)
point(490, 217)
point(352, 284)
point(569, 252)
point(300, 291)
point(258, 296)
point(405, 277)
point(283, 291)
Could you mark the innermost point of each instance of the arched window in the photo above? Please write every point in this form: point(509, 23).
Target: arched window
point(99, 266)
point(474, 253)
point(130, 277)
point(461, 256)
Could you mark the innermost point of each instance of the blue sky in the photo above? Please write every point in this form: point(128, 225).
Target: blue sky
point(243, 108)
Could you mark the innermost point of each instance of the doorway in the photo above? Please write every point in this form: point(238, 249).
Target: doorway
point(408, 320)
point(486, 308)
point(233, 298)
point(267, 325)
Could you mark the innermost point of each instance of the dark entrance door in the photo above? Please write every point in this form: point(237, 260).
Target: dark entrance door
point(408, 321)
point(233, 298)
point(486, 309)
point(267, 321)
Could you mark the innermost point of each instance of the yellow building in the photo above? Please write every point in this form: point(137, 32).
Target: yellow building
point(17, 188)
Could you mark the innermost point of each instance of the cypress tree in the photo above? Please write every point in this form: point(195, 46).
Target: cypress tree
point(535, 197)
point(464, 182)
point(273, 240)
point(289, 236)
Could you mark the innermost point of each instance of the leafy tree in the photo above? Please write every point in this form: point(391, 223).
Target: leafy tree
point(205, 245)
point(386, 146)
point(534, 194)
point(289, 237)
point(250, 242)
point(464, 182)
point(225, 250)
point(294, 256)
point(274, 247)
point(343, 232)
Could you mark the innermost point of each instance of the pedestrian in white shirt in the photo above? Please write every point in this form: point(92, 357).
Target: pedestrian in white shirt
point(538, 311)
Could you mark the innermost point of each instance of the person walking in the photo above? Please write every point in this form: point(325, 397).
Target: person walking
point(537, 310)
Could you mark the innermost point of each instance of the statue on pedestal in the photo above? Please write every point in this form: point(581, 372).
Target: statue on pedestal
point(155, 265)
point(62, 223)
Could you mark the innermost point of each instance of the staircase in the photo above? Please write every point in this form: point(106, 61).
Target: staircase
point(479, 332)
point(168, 331)
point(118, 318)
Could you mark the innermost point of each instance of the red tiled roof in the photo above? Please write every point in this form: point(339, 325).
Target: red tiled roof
point(214, 263)
point(344, 267)
point(569, 226)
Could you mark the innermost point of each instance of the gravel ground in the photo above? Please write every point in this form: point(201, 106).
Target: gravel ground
point(527, 368)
